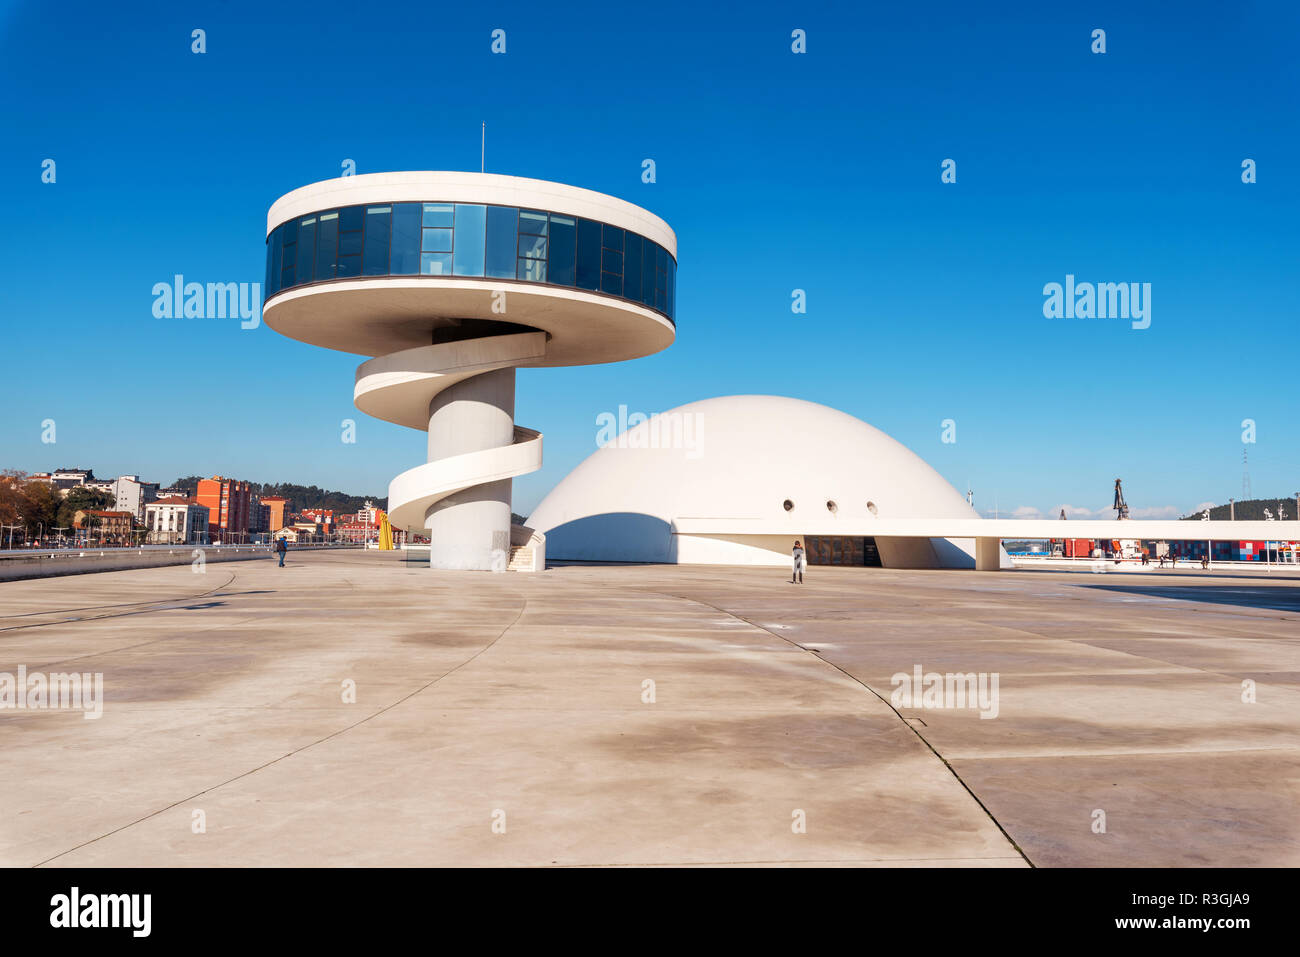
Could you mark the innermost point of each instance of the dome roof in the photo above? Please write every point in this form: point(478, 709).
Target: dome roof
point(783, 463)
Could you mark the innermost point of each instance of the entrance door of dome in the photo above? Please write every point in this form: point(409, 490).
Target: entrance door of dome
point(842, 550)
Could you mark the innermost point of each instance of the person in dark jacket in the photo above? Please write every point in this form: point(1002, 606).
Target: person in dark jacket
point(281, 547)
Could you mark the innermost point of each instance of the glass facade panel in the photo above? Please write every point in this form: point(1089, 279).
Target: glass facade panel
point(672, 288)
point(533, 247)
point(438, 214)
point(436, 241)
point(351, 218)
point(502, 224)
point(435, 264)
point(404, 259)
point(460, 239)
point(532, 270)
point(470, 240)
point(632, 267)
point(561, 268)
point(648, 273)
point(306, 250)
point(374, 261)
point(349, 244)
point(532, 221)
point(327, 241)
point(288, 253)
point(273, 262)
point(588, 254)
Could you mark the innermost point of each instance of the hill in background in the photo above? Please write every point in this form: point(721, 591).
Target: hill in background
point(1251, 510)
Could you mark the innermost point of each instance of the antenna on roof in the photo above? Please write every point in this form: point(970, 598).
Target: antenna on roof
point(482, 153)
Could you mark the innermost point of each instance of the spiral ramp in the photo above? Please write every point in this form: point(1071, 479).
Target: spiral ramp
point(406, 387)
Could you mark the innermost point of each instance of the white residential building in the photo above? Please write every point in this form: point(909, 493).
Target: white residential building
point(132, 495)
point(176, 521)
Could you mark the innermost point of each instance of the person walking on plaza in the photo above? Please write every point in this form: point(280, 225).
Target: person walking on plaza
point(281, 548)
point(796, 576)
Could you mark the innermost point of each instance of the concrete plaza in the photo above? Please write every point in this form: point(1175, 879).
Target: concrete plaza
point(508, 720)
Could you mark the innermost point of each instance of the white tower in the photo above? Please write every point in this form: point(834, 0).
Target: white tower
point(451, 281)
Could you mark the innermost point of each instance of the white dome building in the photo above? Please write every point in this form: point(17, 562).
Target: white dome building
point(737, 479)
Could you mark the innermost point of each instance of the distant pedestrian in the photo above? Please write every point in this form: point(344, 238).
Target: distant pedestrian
point(796, 576)
point(281, 547)
point(1205, 561)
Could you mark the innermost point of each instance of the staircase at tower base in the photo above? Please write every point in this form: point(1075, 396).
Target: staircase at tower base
point(527, 550)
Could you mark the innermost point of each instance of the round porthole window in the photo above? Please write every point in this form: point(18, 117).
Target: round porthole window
point(787, 505)
point(871, 507)
point(832, 507)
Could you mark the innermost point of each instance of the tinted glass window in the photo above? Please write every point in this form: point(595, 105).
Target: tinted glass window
point(533, 246)
point(266, 283)
point(306, 249)
point(378, 223)
point(435, 264)
point(436, 241)
point(561, 270)
point(632, 267)
point(273, 273)
point(672, 288)
point(534, 270)
point(501, 226)
point(532, 221)
point(648, 273)
point(470, 238)
point(404, 259)
point(588, 254)
point(349, 244)
point(327, 240)
point(438, 214)
point(351, 218)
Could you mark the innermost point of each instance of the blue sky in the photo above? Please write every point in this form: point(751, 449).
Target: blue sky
point(778, 171)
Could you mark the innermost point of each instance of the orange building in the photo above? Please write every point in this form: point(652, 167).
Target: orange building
point(277, 506)
point(227, 501)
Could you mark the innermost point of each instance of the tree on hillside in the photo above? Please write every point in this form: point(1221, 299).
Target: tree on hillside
point(84, 500)
point(1252, 510)
point(40, 506)
point(11, 496)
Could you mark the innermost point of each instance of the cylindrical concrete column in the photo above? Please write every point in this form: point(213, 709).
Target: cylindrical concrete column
point(471, 529)
point(988, 554)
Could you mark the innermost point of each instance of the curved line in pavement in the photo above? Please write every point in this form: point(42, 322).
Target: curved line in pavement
point(856, 680)
point(125, 604)
point(289, 754)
